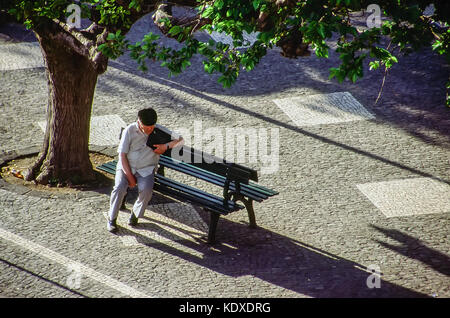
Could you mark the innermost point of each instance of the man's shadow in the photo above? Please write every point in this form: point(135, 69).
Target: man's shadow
point(269, 256)
point(412, 247)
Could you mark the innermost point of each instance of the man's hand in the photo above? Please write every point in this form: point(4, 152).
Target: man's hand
point(127, 170)
point(160, 149)
point(131, 181)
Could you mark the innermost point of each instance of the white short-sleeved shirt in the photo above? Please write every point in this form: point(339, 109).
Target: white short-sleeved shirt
point(142, 159)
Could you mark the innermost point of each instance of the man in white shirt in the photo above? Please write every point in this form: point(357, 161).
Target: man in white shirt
point(136, 166)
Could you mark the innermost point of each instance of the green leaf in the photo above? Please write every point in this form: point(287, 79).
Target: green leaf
point(185, 64)
point(338, 73)
point(321, 30)
point(437, 45)
point(175, 30)
point(219, 4)
point(208, 12)
point(256, 4)
point(374, 65)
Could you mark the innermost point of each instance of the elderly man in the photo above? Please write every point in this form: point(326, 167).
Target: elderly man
point(137, 165)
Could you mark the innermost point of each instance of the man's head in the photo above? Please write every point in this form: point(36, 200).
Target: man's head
point(147, 120)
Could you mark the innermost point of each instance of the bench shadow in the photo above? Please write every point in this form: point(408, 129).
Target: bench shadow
point(261, 253)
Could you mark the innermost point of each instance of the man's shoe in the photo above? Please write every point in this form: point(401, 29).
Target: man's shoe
point(112, 226)
point(133, 220)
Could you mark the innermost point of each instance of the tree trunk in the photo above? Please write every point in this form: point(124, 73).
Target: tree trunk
point(64, 156)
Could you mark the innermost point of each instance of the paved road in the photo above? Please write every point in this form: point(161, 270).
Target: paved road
point(330, 226)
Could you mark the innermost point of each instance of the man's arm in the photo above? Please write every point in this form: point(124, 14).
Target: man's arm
point(127, 170)
point(161, 148)
point(175, 143)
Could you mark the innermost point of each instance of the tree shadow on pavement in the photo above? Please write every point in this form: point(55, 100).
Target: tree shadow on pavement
point(412, 92)
point(271, 257)
point(40, 277)
point(413, 248)
point(412, 99)
point(442, 129)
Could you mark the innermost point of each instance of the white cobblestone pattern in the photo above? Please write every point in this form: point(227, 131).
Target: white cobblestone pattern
point(105, 130)
point(16, 56)
point(323, 109)
point(407, 197)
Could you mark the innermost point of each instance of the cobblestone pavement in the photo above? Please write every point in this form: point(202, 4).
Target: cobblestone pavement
point(324, 235)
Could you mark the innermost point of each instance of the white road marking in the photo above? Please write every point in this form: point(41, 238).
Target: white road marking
point(60, 259)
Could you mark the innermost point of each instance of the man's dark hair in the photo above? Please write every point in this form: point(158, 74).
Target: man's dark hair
point(147, 116)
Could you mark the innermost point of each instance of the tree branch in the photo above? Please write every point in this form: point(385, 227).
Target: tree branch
point(76, 41)
point(164, 11)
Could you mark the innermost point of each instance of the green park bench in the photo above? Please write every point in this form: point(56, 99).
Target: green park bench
point(234, 179)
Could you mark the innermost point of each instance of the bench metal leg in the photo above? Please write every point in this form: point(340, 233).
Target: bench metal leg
point(213, 220)
point(251, 213)
point(160, 170)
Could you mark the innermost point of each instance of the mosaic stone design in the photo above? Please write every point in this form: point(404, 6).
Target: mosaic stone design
point(408, 197)
point(323, 109)
point(17, 56)
point(105, 130)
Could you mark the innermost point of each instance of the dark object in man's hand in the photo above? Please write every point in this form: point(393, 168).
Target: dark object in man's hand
point(158, 137)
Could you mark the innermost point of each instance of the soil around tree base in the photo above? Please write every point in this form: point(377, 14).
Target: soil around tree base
point(21, 164)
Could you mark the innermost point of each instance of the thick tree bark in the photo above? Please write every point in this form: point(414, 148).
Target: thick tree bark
point(64, 157)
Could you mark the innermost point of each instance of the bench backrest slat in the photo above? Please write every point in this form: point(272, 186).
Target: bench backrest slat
point(211, 163)
point(255, 193)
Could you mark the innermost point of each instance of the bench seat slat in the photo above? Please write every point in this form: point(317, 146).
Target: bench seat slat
point(111, 164)
point(270, 192)
point(107, 169)
point(190, 198)
point(193, 191)
point(213, 197)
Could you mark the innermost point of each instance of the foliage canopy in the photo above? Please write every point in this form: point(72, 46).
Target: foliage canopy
point(294, 26)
